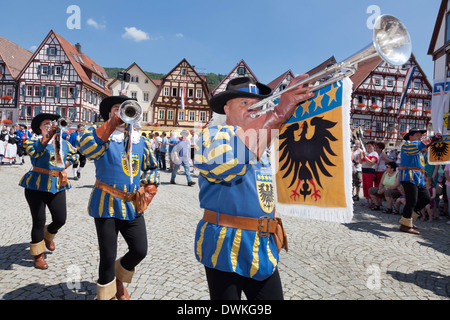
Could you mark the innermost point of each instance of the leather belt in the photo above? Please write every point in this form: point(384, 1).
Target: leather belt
point(264, 225)
point(126, 196)
point(53, 173)
point(412, 168)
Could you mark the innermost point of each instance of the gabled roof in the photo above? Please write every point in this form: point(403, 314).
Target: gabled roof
point(111, 82)
point(276, 83)
point(437, 26)
point(83, 68)
point(88, 63)
point(14, 56)
point(364, 70)
point(163, 79)
point(227, 78)
point(329, 62)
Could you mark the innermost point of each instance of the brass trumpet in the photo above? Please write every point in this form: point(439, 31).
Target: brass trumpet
point(390, 41)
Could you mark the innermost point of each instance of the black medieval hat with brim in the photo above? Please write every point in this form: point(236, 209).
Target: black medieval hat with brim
point(242, 87)
point(109, 102)
point(413, 131)
point(36, 122)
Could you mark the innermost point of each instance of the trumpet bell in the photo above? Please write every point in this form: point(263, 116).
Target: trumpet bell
point(130, 112)
point(63, 123)
point(392, 40)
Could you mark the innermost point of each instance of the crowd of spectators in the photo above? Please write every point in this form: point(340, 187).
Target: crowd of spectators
point(376, 171)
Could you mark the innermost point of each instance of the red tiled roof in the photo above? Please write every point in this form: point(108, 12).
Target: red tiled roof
point(363, 71)
point(14, 56)
point(88, 63)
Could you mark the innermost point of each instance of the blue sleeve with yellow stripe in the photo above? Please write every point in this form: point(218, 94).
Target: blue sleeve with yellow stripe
point(91, 146)
point(221, 156)
point(43, 156)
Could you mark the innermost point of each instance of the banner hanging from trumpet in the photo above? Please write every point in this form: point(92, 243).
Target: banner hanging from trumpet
point(439, 106)
point(312, 158)
point(439, 152)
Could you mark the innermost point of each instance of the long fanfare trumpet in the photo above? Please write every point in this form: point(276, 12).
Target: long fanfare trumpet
point(390, 41)
point(62, 123)
point(130, 112)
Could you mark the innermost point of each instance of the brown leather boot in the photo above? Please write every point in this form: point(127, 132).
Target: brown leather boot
point(48, 239)
point(121, 293)
point(406, 225)
point(408, 229)
point(39, 262)
point(37, 251)
point(122, 275)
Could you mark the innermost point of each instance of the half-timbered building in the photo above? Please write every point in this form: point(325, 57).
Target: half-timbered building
point(12, 60)
point(182, 99)
point(240, 70)
point(377, 90)
point(60, 78)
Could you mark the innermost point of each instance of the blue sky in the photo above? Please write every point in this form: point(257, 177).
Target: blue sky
point(272, 36)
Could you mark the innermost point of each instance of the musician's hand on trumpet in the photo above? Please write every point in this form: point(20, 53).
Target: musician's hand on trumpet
point(428, 141)
point(48, 130)
point(291, 99)
point(266, 125)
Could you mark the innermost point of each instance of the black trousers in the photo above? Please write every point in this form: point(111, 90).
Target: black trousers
point(229, 286)
point(82, 161)
point(416, 198)
point(135, 235)
point(56, 203)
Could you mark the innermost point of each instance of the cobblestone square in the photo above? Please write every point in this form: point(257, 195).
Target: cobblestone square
point(366, 259)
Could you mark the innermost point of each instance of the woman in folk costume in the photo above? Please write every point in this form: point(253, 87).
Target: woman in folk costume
point(11, 146)
point(116, 203)
point(3, 142)
point(46, 183)
point(236, 240)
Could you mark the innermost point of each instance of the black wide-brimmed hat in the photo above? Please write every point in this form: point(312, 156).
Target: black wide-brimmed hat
point(239, 88)
point(36, 122)
point(109, 102)
point(413, 131)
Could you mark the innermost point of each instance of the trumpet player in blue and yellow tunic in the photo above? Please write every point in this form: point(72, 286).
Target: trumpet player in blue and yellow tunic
point(46, 183)
point(412, 177)
point(236, 240)
point(117, 204)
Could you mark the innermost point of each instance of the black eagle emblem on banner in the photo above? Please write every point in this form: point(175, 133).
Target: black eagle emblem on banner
point(307, 157)
point(439, 150)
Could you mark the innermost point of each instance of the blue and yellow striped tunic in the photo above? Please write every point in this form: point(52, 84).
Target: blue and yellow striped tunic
point(411, 156)
point(233, 182)
point(44, 157)
point(111, 169)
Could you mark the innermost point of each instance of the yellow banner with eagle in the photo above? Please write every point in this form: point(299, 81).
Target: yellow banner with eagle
point(312, 158)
